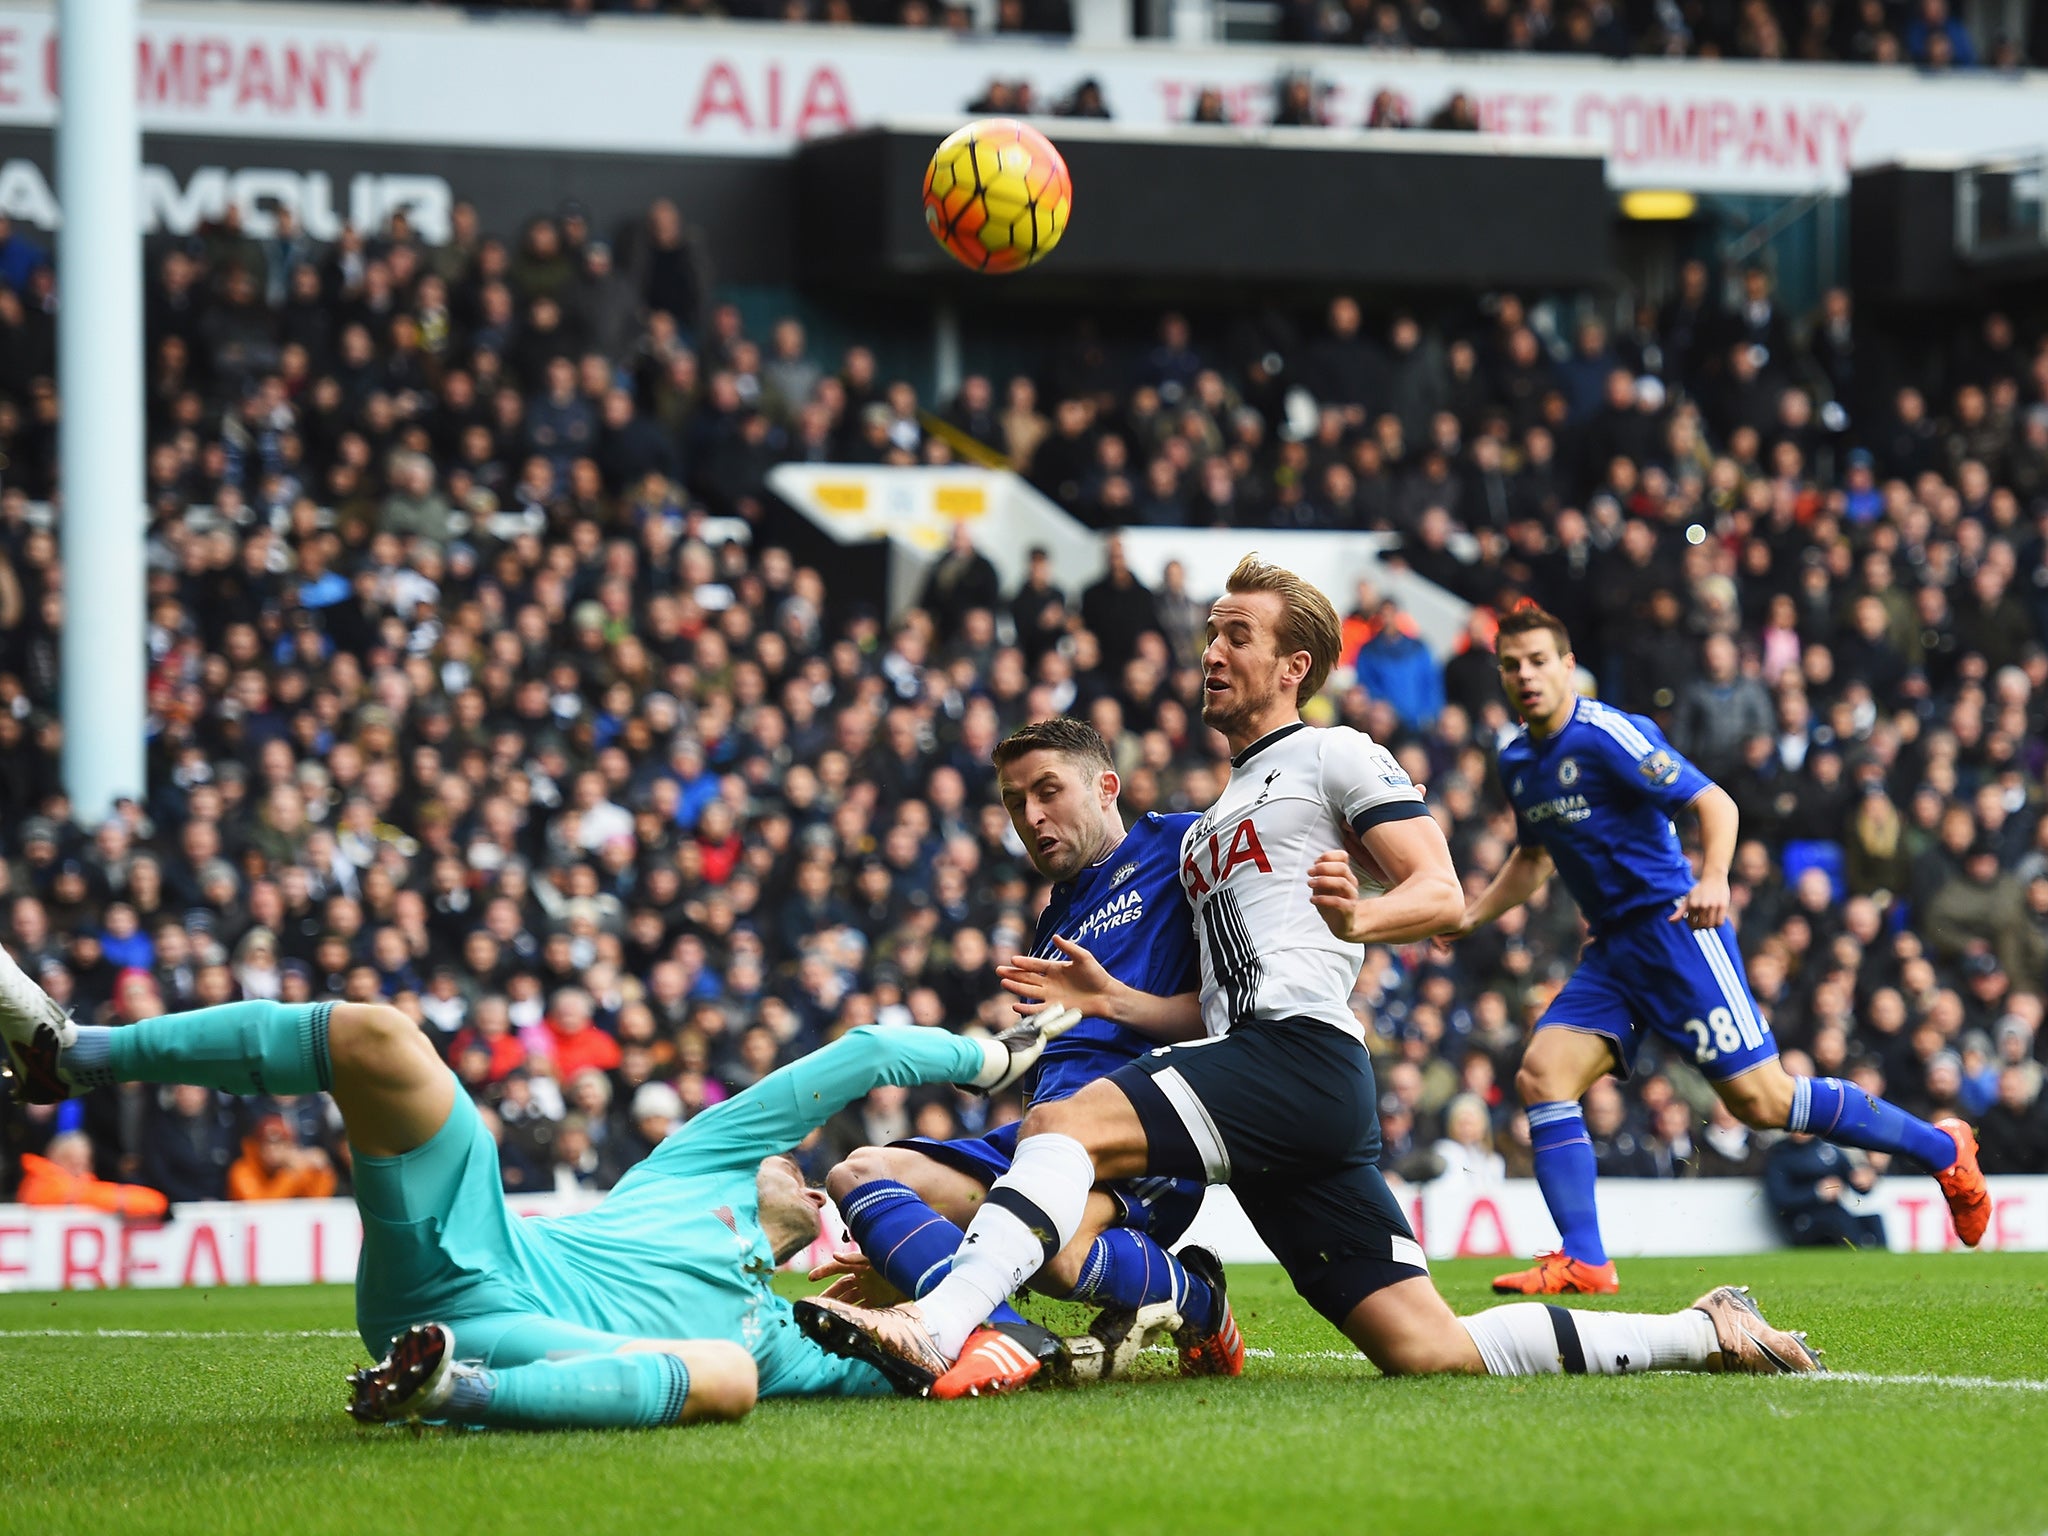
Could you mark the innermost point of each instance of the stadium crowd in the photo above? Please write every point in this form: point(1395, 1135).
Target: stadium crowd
point(1926, 33)
point(479, 682)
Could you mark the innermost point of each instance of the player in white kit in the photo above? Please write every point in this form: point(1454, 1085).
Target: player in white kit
point(1278, 1101)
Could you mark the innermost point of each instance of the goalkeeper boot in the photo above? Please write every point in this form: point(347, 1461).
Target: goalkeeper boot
point(1218, 1350)
point(1748, 1342)
point(998, 1358)
point(894, 1340)
point(413, 1382)
point(1969, 1200)
point(36, 1031)
point(1559, 1274)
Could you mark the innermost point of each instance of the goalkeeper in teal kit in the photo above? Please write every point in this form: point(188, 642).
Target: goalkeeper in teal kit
point(654, 1307)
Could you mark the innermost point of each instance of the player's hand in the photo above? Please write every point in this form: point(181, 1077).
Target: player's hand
point(1077, 982)
point(1441, 944)
point(856, 1280)
point(1333, 889)
point(1706, 904)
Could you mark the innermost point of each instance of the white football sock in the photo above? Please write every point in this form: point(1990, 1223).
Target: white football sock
point(1031, 1213)
point(1530, 1338)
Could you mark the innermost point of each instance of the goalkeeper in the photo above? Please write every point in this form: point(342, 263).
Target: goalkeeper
point(654, 1307)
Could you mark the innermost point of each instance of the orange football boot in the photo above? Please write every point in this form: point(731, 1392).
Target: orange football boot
point(997, 1358)
point(1559, 1274)
point(1220, 1351)
point(1969, 1202)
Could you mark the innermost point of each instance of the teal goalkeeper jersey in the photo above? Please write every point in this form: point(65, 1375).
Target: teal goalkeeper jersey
point(676, 1250)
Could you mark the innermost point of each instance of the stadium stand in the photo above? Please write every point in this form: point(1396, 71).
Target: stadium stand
point(480, 681)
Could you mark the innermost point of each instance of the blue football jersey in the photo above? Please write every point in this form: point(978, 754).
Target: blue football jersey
point(1598, 797)
point(1130, 912)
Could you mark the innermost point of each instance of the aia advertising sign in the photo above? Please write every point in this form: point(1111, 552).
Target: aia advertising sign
point(672, 87)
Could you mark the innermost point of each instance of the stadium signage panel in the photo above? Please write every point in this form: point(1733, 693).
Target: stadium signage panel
point(292, 1242)
point(322, 203)
point(681, 88)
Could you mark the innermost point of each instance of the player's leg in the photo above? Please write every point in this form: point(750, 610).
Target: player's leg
point(1730, 1042)
point(1031, 1213)
point(906, 1206)
point(1152, 1116)
point(1770, 1098)
point(1036, 1209)
point(1346, 1246)
point(547, 1375)
point(1406, 1329)
point(1585, 1033)
point(392, 1089)
point(1122, 1262)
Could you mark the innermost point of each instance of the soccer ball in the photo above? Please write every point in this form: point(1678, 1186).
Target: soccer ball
point(997, 195)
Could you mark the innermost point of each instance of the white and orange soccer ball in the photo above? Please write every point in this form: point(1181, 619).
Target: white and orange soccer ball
point(997, 195)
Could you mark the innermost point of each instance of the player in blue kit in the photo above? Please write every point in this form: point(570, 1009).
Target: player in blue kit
point(654, 1307)
point(1594, 791)
point(1117, 903)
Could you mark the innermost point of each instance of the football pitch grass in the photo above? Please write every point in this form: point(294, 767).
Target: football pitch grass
point(221, 1412)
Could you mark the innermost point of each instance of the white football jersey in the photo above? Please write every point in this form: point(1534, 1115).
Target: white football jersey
point(1266, 951)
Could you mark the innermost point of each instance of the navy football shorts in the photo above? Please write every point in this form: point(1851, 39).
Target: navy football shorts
point(1285, 1112)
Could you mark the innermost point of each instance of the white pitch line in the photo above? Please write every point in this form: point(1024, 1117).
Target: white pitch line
point(1972, 1383)
point(1853, 1378)
point(177, 1333)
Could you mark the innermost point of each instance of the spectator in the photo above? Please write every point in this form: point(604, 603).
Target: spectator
point(1467, 1144)
point(63, 1176)
point(670, 269)
point(522, 720)
point(1935, 37)
point(1809, 1183)
point(1618, 1151)
point(962, 580)
point(1086, 101)
point(1297, 106)
point(657, 1112)
point(1727, 1148)
point(189, 1143)
point(1396, 666)
point(1720, 711)
point(2013, 1132)
point(1986, 906)
point(1119, 609)
point(274, 1166)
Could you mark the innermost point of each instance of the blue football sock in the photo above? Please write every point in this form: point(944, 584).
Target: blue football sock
point(910, 1244)
point(1565, 1173)
point(1841, 1112)
point(584, 1392)
point(1127, 1270)
point(247, 1048)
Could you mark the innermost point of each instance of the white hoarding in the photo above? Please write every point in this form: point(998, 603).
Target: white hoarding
point(674, 87)
point(293, 1242)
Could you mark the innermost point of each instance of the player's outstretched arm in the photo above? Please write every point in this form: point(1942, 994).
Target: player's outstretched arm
point(791, 1102)
point(1423, 897)
point(1522, 876)
point(1081, 982)
point(1706, 904)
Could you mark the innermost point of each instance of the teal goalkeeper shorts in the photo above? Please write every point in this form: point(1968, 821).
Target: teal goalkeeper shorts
point(440, 1245)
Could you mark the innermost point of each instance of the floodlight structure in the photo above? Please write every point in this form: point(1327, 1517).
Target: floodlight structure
point(100, 435)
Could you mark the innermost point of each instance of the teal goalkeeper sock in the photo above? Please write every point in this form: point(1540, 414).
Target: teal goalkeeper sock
point(635, 1391)
point(247, 1048)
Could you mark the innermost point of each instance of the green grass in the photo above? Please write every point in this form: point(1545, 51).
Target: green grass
point(245, 1432)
